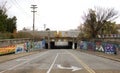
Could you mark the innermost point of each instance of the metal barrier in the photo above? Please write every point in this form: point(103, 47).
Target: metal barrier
point(7, 42)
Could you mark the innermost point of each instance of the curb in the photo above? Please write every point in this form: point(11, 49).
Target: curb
point(109, 58)
point(115, 59)
point(17, 56)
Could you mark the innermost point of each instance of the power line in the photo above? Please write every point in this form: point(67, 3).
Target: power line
point(34, 1)
point(21, 7)
point(16, 4)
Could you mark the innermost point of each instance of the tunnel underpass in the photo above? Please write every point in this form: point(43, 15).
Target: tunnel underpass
point(61, 45)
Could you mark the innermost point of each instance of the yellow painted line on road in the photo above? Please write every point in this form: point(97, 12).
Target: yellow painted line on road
point(82, 63)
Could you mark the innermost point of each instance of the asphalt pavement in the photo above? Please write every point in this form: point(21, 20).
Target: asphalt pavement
point(60, 61)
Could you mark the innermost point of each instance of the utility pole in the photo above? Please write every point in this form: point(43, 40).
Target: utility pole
point(44, 26)
point(48, 31)
point(33, 7)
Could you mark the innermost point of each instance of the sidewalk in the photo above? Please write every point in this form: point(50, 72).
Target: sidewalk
point(14, 56)
point(101, 54)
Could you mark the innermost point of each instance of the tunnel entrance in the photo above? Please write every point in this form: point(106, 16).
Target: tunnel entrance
point(61, 45)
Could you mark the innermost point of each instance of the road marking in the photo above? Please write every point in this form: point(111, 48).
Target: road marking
point(22, 63)
point(52, 64)
point(72, 67)
point(21, 60)
point(63, 53)
point(83, 64)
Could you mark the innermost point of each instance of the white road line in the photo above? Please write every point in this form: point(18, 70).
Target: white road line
point(52, 64)
point(63, 53)
point(22, 63)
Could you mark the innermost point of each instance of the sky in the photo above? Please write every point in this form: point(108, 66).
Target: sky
point(60, 15)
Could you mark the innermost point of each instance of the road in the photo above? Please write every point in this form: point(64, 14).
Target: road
point(60, 61)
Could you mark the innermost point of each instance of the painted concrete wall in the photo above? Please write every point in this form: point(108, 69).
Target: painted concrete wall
point(23, 47)
point(106, 47)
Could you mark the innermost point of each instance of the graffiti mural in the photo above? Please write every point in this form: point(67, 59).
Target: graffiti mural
point(7, 49)
point(83, 45)
point(19, 48)
point(91, 46)
point(27, 46)
point(33, 45)
point(43, 44)
point(108, 48)
point(23, 47)
point(37, 45)
point(99, 47)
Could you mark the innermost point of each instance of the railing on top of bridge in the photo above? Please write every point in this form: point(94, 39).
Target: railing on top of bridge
point(115, 38)
point(6, 42)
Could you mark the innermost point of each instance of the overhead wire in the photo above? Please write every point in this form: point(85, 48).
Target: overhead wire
point(16, 3)
point(18, 6)
point(34, 1)
point(21, 7)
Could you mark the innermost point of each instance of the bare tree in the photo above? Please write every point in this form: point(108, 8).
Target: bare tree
point(95, 19)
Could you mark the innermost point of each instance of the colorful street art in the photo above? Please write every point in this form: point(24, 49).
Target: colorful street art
point(23, 47)
point(7, 49)
point(108, 48)
point(91, 46)
point(99, 47)
point(83, 45)
point(19, 48)
point(37, 45)
point(43, 43)
point(87, 45)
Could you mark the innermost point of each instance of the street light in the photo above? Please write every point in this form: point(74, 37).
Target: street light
point(48, 30)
